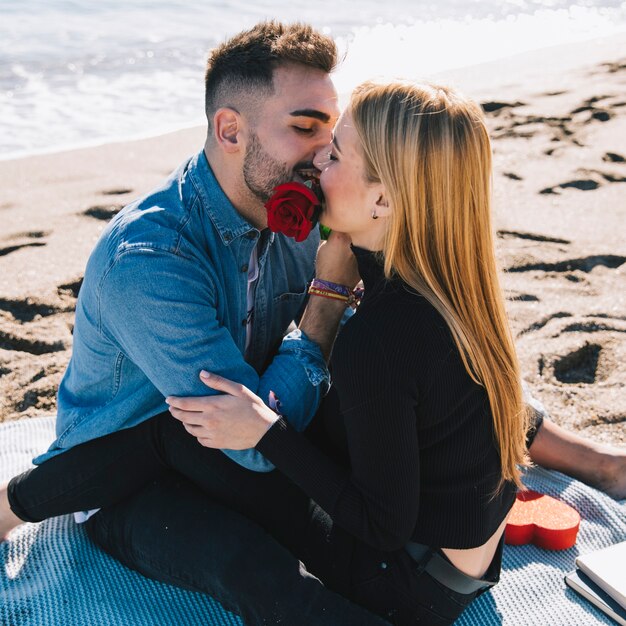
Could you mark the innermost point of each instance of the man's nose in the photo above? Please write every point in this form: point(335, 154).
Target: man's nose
point(323, 137)
point(326, 136)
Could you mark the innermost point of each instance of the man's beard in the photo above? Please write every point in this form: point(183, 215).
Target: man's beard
point(261, 172)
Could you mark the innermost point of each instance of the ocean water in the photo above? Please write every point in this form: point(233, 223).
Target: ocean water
point(79, 72)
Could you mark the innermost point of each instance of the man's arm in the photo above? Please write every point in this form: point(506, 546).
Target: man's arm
point(164, 318)
point(312, 343)
point(336, 263)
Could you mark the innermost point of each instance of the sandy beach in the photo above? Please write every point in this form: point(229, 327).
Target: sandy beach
point(558, 123)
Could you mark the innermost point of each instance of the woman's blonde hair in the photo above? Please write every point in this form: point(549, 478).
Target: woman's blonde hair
point(430, 148)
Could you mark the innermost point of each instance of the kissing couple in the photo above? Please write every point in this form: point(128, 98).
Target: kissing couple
point(200, 438)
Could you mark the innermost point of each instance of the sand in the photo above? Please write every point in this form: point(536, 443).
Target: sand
point(558, 124)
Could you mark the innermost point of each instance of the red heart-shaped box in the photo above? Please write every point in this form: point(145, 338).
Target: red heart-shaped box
point(541, 520)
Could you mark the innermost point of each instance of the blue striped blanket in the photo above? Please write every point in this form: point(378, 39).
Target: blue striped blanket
point(51, 574)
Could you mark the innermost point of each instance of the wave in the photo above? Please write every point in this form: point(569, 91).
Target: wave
point(72, 74)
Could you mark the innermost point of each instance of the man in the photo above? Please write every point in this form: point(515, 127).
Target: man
point(189, 278)
point(181, 277)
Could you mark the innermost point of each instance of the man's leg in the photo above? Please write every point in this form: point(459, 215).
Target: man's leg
point(88, 476)
point(599, 465)
point(106, 470)
point(171, 531)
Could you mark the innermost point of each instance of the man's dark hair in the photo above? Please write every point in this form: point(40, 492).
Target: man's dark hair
point(246, 62)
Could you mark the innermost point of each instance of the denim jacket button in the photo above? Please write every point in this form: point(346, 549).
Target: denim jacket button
point(244, 267)
point(244, 322)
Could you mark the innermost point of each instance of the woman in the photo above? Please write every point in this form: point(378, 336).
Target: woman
point(398, 496)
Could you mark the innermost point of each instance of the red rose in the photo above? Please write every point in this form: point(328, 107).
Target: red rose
point(292, 210)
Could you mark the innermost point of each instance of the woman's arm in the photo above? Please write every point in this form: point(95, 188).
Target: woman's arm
point(377, 499)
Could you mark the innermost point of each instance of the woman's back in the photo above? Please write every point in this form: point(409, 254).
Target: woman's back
point(400, 386)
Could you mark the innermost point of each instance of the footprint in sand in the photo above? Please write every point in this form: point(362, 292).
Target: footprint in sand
point(584, 264)
point(43, 398)
point(602, 115)
point(11, 341)
point(553, 93)
point(579, 366)
point(31, 234)
point(10, 249)
point(103, 212)
point(587, 184)
point(588, 105)
point(616, 66)
point(574, 278)
point(116, 192)
point(610, 176)
point(496, 107)
point(591, 358)
point(516, 125)
point(514, 234)
point(599, 420)
point(543, 322)
point(522, 297)
point(607, 316)
point(70, 289)
point(23, 240)
point(591, 327)
point(27, 310)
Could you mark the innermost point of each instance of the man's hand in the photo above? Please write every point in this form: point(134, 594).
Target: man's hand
point(335, 261)
point(236, 420)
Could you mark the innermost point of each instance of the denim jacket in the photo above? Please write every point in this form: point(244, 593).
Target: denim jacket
point(164, 296)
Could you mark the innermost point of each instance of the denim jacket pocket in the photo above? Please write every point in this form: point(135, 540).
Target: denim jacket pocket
point(290, 296)
point(286, 307)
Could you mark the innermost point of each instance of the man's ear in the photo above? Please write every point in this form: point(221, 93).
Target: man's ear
point(227, 127)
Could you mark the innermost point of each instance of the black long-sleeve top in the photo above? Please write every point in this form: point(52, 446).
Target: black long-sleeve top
point(408, 449)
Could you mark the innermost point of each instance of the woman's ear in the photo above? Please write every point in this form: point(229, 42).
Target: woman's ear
point(382, 203)
point(227, 126)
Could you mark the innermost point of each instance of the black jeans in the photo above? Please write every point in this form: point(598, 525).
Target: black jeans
point(185, 514)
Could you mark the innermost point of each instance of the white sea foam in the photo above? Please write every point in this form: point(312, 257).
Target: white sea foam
point(74, 72)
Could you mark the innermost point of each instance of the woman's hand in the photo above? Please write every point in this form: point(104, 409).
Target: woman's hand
point(236, 420)
point(335, 261)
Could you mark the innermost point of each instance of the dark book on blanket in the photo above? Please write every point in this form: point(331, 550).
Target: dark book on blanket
point(589, 590)
point(607, 569)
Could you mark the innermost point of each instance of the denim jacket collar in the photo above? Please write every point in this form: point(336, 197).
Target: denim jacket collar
point(228, 222)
